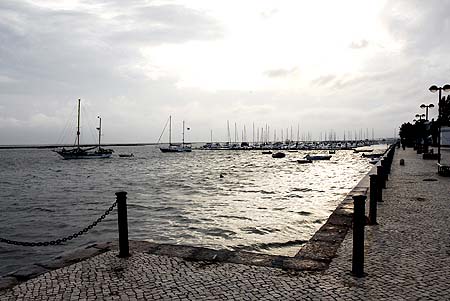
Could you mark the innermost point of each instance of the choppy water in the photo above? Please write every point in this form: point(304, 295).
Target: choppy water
point(261, 204)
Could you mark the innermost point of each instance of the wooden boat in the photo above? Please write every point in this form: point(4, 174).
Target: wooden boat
point(279, 155)
point(77, 152)
point(317, 157)
point(267, 152)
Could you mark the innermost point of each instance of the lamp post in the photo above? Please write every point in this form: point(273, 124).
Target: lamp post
point(420, 132)
point(420, 116)
point(434, 89)
point(424, 106)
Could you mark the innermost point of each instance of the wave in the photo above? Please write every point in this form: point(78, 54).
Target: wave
point(262, 231)
point(43, 209)
point(235, 217)
point(271, 245)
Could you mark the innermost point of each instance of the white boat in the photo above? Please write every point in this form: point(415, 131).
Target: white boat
point(304, 161)
point(175, 148)
point(77, 152)
point(317, 157)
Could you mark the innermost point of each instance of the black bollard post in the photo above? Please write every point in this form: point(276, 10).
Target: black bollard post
point(381, 175)
point(359, 220)
point(384, 163)
point(380, 183)
point(122, 220)
point(373, 200)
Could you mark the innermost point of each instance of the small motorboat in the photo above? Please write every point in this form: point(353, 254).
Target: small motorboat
point(332, 151)
point(374, 160)
point(362, 150)
point(371, 155)
point(126, 155)
point(267, 152)
point(279, 155)
point(317, 157)
point(304, 161)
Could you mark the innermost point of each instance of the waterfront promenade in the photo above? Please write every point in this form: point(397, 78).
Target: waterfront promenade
point(407, 258)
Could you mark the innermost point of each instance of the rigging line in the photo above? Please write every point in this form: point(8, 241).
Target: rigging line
point(66, 127)
point(165, 126)
point(93, 136)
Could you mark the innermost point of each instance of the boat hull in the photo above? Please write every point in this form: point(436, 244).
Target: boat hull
point(318, 157)
point(175, 149)
point(74, 154)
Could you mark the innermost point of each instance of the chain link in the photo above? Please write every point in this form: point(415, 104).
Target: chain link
point(60, 240)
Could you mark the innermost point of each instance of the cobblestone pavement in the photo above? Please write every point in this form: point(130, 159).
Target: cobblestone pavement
point(407, 258)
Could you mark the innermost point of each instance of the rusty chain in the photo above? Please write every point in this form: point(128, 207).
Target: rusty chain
point(60, 240)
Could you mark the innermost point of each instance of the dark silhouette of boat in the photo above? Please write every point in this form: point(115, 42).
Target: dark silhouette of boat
point(371, 155)
point(77, 152)
point(279, 155)
point(317, 157)
point(126, 155)
point(175, 148)
point(304, 161)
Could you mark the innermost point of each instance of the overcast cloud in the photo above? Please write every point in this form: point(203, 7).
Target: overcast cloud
point(136, 62)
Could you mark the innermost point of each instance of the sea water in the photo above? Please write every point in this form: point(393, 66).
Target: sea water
point(259, 204)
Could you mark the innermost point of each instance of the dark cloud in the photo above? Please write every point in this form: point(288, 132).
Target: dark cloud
point(281, 72)
point(422, 26)
point(359, 44)
point(156, 24)
point(324, 80)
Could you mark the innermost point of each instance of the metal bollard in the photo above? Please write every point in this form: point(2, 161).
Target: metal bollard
point(380, 183)
point(381, 175)
point(373, 200)
point(359, 219)
point(384, 163)
point(122, 221)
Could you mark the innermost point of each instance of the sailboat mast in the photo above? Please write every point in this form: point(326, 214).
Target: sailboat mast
point(183, 133)
point(99, 130)
point(78, 126)
point(170, 130)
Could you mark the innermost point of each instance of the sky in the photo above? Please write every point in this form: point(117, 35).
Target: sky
point(351, 66)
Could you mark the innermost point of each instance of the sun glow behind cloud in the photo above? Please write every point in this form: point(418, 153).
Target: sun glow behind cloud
point(314, 38)
point(329, 64)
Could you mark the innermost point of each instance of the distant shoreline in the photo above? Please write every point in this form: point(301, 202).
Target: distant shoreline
point(67, 145)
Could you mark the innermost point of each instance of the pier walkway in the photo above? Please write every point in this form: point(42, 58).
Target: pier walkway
point(407, 258)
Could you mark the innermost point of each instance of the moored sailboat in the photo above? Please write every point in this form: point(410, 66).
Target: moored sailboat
point(175, 148)
point(77, 152)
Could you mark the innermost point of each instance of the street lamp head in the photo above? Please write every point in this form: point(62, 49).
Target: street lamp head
point(446, 88)
point(417, 115)
point(433, 89)
point(423, 106)
point(431, 105)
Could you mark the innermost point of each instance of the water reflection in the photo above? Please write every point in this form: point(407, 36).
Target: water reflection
point(260, 204)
